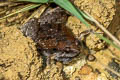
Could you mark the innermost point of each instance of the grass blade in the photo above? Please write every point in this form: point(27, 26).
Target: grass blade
point(89, 17)
point(108, 41)
point(36, 1)
point(22, 10)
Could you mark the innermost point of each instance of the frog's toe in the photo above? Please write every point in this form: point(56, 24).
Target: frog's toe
point(66, 54)
point(63, 59)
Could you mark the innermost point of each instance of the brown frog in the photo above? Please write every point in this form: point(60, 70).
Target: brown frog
point(52, 36)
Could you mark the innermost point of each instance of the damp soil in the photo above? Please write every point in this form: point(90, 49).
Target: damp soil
point(20, 60)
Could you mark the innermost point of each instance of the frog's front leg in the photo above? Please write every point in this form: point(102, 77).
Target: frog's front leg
point(48, 55)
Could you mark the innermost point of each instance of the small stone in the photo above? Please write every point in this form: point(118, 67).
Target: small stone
point(85, 70)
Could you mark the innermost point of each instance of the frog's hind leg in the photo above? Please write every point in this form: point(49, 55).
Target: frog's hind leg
point(64, 60)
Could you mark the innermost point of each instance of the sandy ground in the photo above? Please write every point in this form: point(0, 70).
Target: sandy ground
point(19, 59)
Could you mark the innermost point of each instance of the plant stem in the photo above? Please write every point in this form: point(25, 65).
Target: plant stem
point(103, 29)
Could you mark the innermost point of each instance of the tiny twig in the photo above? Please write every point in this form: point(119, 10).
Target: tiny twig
point(4, 4)
point(37, 13)
point(102, 28)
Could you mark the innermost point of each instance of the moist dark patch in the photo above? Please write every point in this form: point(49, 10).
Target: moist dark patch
point(115, 66)
point(52, 36)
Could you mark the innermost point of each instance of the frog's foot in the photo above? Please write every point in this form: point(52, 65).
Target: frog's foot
point(83, 34)
point(87, 32)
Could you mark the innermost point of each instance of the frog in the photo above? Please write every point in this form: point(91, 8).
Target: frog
point(51, 35)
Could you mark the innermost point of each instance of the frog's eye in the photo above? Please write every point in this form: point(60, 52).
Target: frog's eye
point(67, 48)
point(53, 5)
point(54, 49)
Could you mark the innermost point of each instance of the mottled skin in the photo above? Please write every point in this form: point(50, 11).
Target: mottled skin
point(51, 35)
